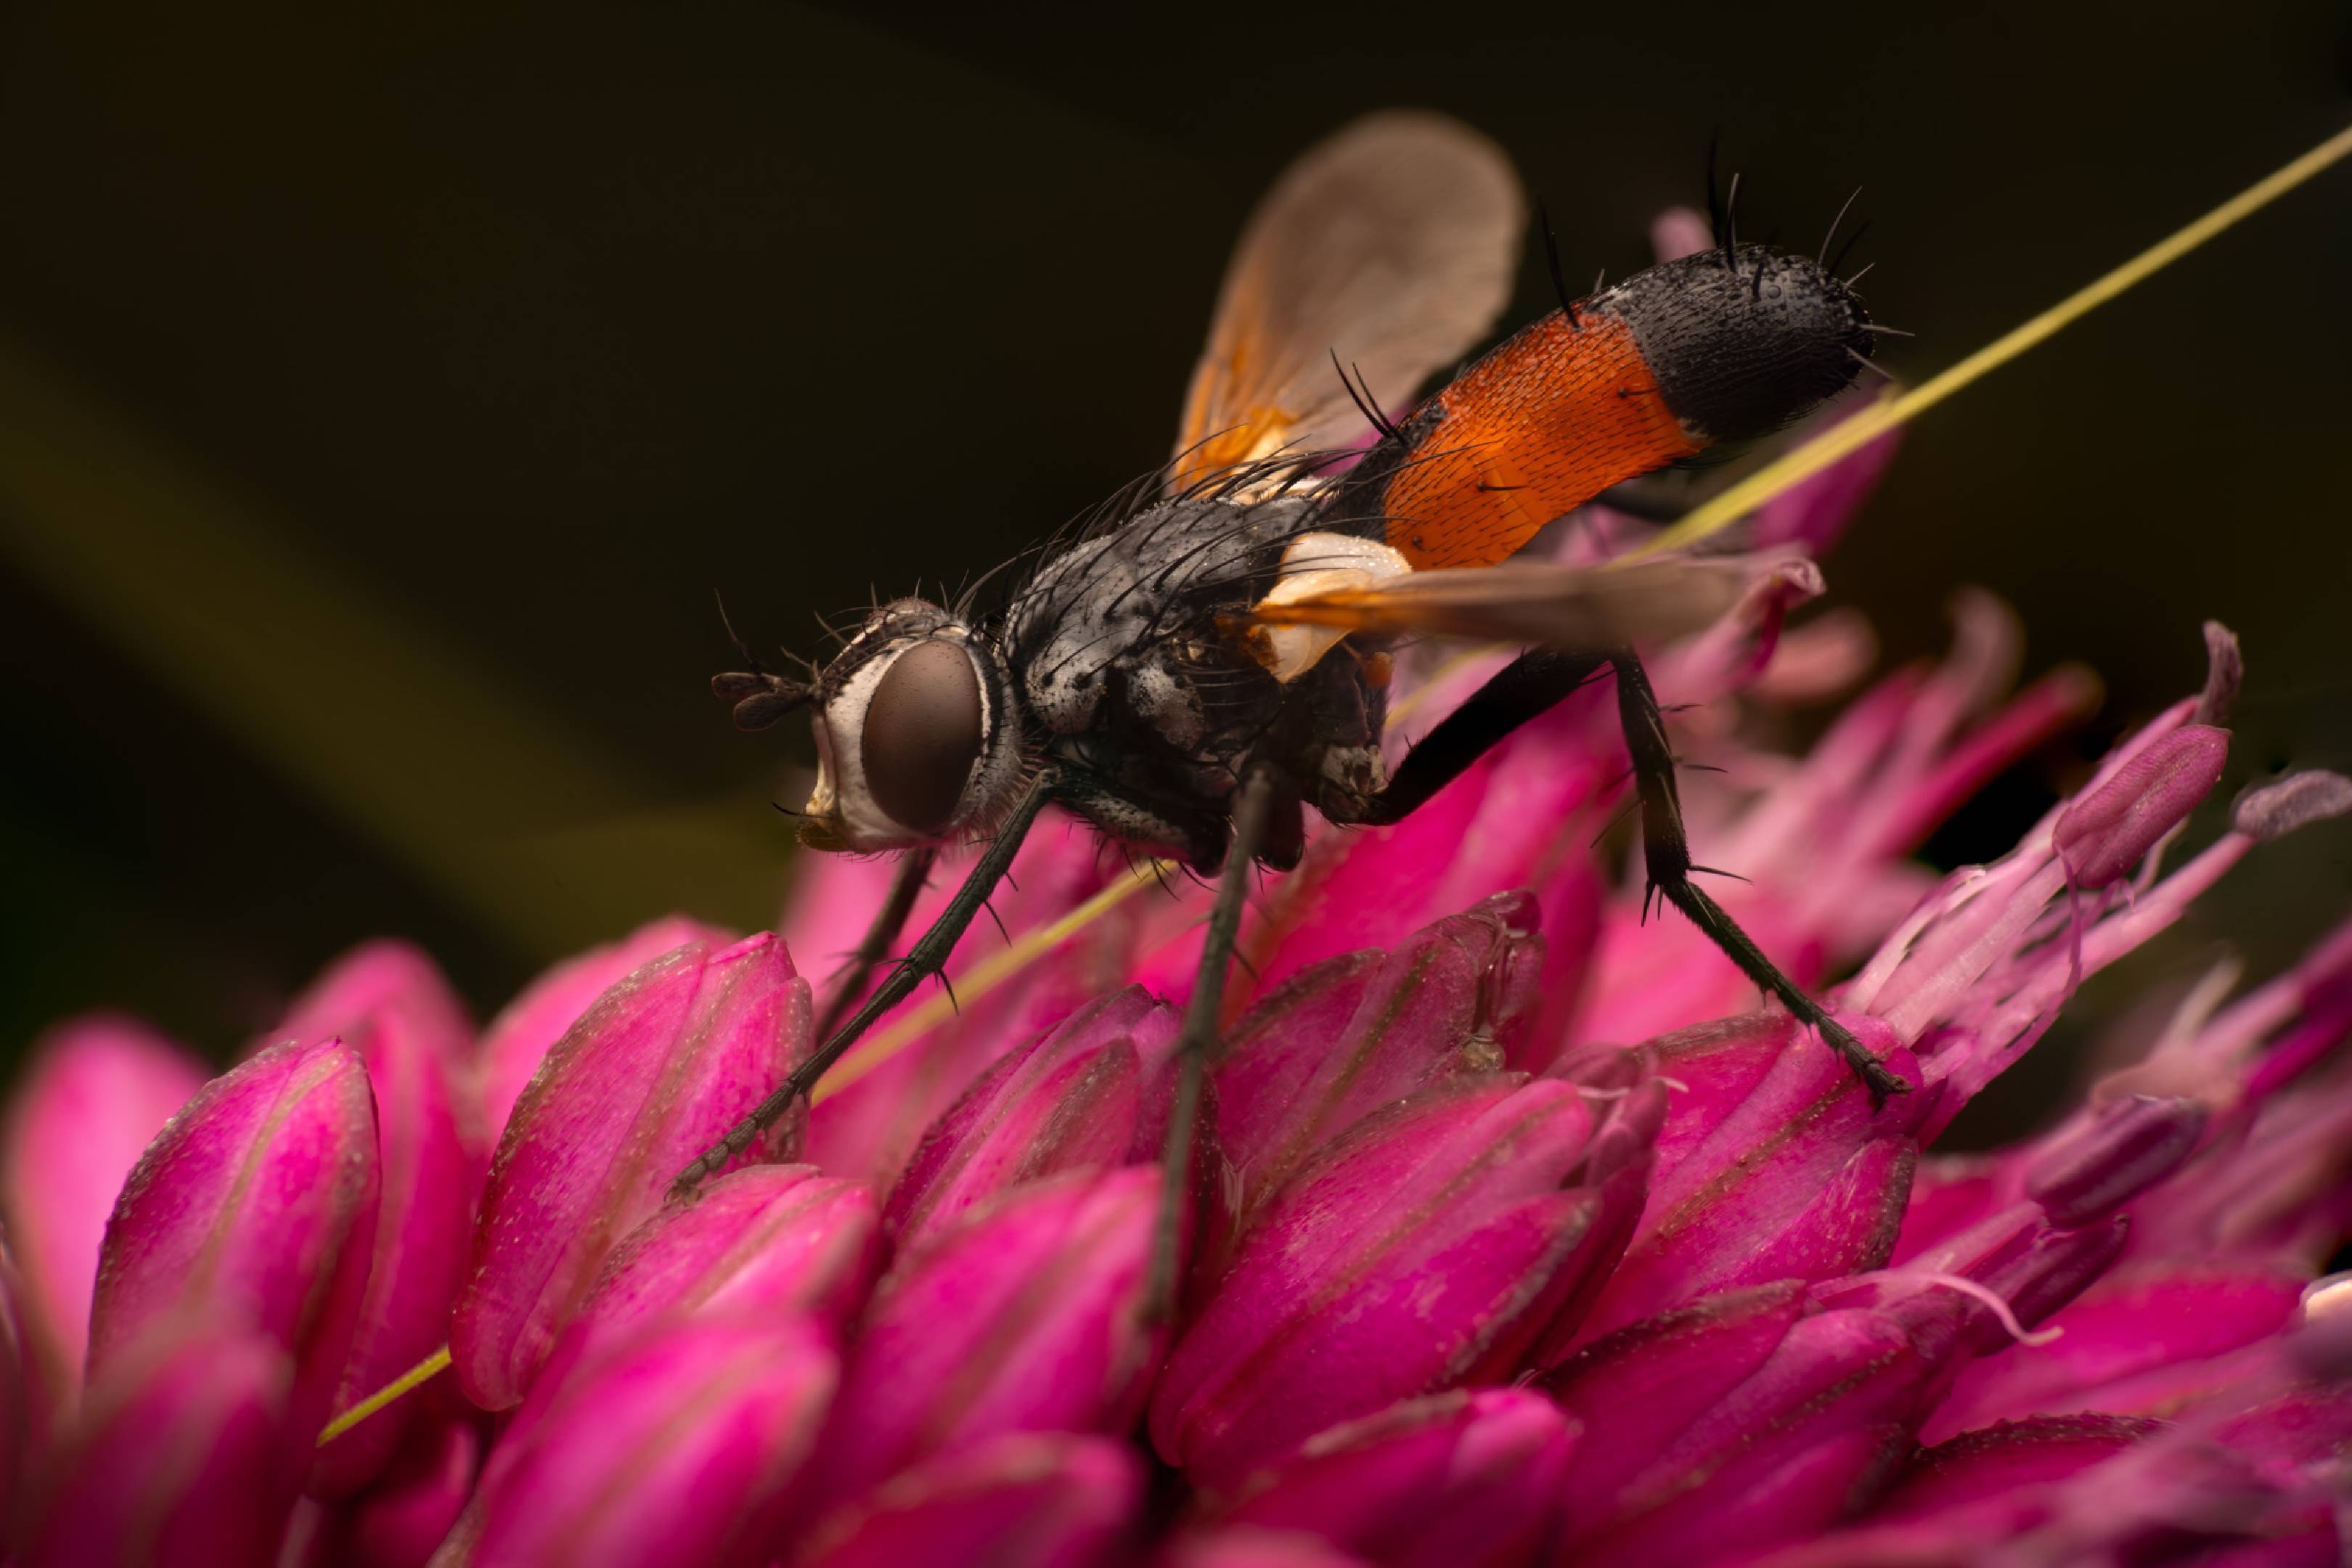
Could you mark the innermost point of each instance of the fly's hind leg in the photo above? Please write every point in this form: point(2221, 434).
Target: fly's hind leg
point(1666, 853)
point(1197, 1038)
point(1533, 683)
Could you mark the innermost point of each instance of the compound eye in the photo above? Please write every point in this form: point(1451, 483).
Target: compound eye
point(922, 732)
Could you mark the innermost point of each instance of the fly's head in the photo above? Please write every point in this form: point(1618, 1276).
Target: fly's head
point(917, 736)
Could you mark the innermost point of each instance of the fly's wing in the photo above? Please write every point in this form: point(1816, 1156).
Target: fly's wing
point(1544, 603)
point(1391, 245)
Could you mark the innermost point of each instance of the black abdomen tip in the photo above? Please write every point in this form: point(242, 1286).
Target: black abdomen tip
point(1740, 346)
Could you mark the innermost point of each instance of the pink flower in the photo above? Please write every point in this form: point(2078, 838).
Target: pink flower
point(661, 1065)
point(1517, 1233)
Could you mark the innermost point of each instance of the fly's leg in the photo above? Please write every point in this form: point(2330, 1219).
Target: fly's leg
point(1198, 1037)
point(880, 939)
point(1528, 686)
point(928, 958)
point(1666, 853)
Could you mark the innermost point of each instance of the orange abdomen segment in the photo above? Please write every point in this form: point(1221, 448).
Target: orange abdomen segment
point(1539, 426)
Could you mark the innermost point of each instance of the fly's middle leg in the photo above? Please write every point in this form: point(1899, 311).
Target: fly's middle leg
point(1197, 1037)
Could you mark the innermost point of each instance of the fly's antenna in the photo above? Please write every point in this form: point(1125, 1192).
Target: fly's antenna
point(1551, 262)
point(1362, 399)
point(761, 696)
point(1834, 222)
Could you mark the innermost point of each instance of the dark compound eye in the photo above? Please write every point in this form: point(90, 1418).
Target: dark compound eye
point(922, 734)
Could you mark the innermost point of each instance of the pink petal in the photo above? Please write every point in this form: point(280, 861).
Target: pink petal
point(1243, 1546)
point(676, 1445)
point(184, 1452)
point(1998, 1464)
point(1456, 1479)
point(518, 1039)
point(98, 1091)
point(654, 1073)
point(402, 1519)
point(1038, 1499)
point(255, 1210)
point(1028, 1315)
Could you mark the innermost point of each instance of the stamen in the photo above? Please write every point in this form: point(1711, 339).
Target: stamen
point(1818, 453)
point(1994, 1303)
point(415, 1377)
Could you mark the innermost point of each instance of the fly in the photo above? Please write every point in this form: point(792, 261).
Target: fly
point(1194, 673)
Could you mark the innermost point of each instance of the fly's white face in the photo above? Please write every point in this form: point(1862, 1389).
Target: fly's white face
point(916, 743)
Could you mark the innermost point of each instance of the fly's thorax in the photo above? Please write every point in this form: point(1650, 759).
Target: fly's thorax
point(1126, 627)
point(916, 734)
point(1742, 344)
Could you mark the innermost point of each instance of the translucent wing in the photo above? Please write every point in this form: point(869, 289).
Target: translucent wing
point(1561, 606)
point(1393, 244)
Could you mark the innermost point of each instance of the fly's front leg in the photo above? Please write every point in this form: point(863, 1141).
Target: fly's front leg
point(1253, 808)
point(928, 958)
point(881, 937)
point(1666, 853)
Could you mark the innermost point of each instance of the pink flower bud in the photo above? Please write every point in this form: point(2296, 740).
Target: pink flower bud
point(518, 1039)
point(255, 1210)
point(1093, 1093)
point(1772, 1164)
point(1455, 1479)
point(2112, 826)
point(184, 1452)
point(1028, 1315)
point(649, 1077)
point(1429, 1246)
point(1039, 1499)
point(2113, 1155)
point(677, 1445)
point(1347, 1037)
point(98, 1090)
point(1744, 1420)
point(388, 1002)
point(767, 1241)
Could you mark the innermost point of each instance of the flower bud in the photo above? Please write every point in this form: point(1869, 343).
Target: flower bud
point(1241, 1546)
point(2112, 1155)
point(653, 1074)
point(389, 1004)
point(1773, 1164)
point(98, 1091)
point(254, 1210)
point(1039, 1499)
point(409, 1508)
point(1091, 1094)
point(766, 1242)
point(519, 1037)
point(183, 1451)
point(1429, 1246)
point(2107, 831)
point(1026, 1315)
point(1464, 1478)
point(1345, 1039)
point(678, 1445)
point(1747, 1417)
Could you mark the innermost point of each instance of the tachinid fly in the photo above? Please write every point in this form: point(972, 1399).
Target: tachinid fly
point(1209, 661)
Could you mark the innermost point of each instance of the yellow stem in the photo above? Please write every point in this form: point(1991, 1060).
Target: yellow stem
point(417, 1377)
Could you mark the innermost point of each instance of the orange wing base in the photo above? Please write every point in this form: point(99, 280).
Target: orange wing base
point(1537, 427)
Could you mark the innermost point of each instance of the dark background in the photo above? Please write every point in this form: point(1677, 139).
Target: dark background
point(381, 400)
